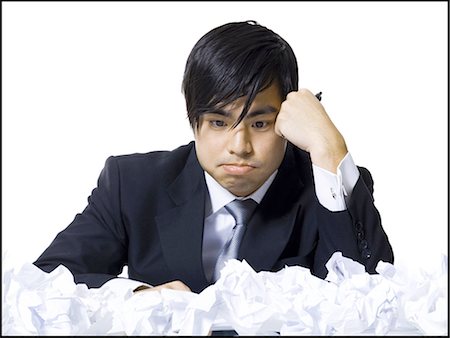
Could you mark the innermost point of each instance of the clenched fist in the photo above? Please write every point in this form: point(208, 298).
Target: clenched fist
point(303, 121)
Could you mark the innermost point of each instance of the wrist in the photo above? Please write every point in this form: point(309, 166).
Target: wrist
point(329, 156)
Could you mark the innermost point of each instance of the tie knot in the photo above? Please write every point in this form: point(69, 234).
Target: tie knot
point(241, 210)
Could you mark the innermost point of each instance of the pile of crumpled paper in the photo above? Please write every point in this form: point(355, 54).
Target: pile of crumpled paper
point(288, 302)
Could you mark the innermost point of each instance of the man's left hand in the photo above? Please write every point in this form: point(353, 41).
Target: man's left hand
point(303, 121)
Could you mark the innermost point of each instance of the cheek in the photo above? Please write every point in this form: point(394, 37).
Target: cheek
point(272, 147)
point(208, 149)
point(273, 153)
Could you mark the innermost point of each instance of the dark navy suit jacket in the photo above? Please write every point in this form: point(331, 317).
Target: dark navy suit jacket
point(147, 212)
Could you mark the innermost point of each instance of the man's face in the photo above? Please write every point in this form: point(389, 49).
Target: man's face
point(241, 158)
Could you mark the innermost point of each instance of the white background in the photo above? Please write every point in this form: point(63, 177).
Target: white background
point(86, 80)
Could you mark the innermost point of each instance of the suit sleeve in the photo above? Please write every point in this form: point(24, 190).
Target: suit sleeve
point(94, 246)
point(356, 232)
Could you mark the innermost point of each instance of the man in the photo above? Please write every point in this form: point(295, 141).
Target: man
point(166, 214)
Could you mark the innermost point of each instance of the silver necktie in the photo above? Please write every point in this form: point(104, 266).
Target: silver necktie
point(241, 210)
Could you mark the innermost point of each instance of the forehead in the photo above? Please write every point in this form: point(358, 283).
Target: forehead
point(268, 97)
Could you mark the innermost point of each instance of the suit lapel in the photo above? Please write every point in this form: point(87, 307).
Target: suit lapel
point(271, 226)
point(181, 228)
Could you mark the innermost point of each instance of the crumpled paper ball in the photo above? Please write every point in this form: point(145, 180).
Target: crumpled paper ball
point(289, 302)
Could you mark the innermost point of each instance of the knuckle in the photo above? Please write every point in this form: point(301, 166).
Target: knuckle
point(304, 92)
point(291, 95)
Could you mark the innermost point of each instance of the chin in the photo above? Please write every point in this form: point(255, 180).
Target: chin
point(240, 190)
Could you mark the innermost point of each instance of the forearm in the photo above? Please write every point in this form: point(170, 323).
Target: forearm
point(356, 232)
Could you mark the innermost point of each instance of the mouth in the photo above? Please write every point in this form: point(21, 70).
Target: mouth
point(237, 169)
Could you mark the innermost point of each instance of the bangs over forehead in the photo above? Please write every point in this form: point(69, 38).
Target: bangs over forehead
point(236, 60)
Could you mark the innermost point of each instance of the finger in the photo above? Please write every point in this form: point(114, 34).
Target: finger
point(141, 288)
point(278, 131)
point(174, 285)
point(178, 285)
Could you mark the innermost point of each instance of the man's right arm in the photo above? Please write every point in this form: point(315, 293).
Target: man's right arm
point(94, 246)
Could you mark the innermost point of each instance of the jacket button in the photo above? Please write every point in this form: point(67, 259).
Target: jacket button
point(363, 244)
point(366, 254)
point(358, 226)
point(360, 235)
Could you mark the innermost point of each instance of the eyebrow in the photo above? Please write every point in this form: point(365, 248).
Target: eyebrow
point(261, 111)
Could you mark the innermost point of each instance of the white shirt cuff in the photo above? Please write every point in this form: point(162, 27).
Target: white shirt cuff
point(333, 189)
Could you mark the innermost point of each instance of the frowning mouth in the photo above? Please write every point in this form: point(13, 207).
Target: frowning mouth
point(238, 168)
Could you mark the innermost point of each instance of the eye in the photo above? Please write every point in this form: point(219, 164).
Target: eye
point(260, 124)
point(217, 123)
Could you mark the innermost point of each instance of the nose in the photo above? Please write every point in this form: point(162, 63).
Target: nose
point(239, 142)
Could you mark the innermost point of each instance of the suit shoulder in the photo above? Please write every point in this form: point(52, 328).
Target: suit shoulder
point(169, 160)
point(177, 154)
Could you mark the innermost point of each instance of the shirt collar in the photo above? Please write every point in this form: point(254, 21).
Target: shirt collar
point(219, 196)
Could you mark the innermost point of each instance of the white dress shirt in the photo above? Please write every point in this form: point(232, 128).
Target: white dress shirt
point(333, 190)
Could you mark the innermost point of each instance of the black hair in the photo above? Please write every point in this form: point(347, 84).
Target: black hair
point(235, 60)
